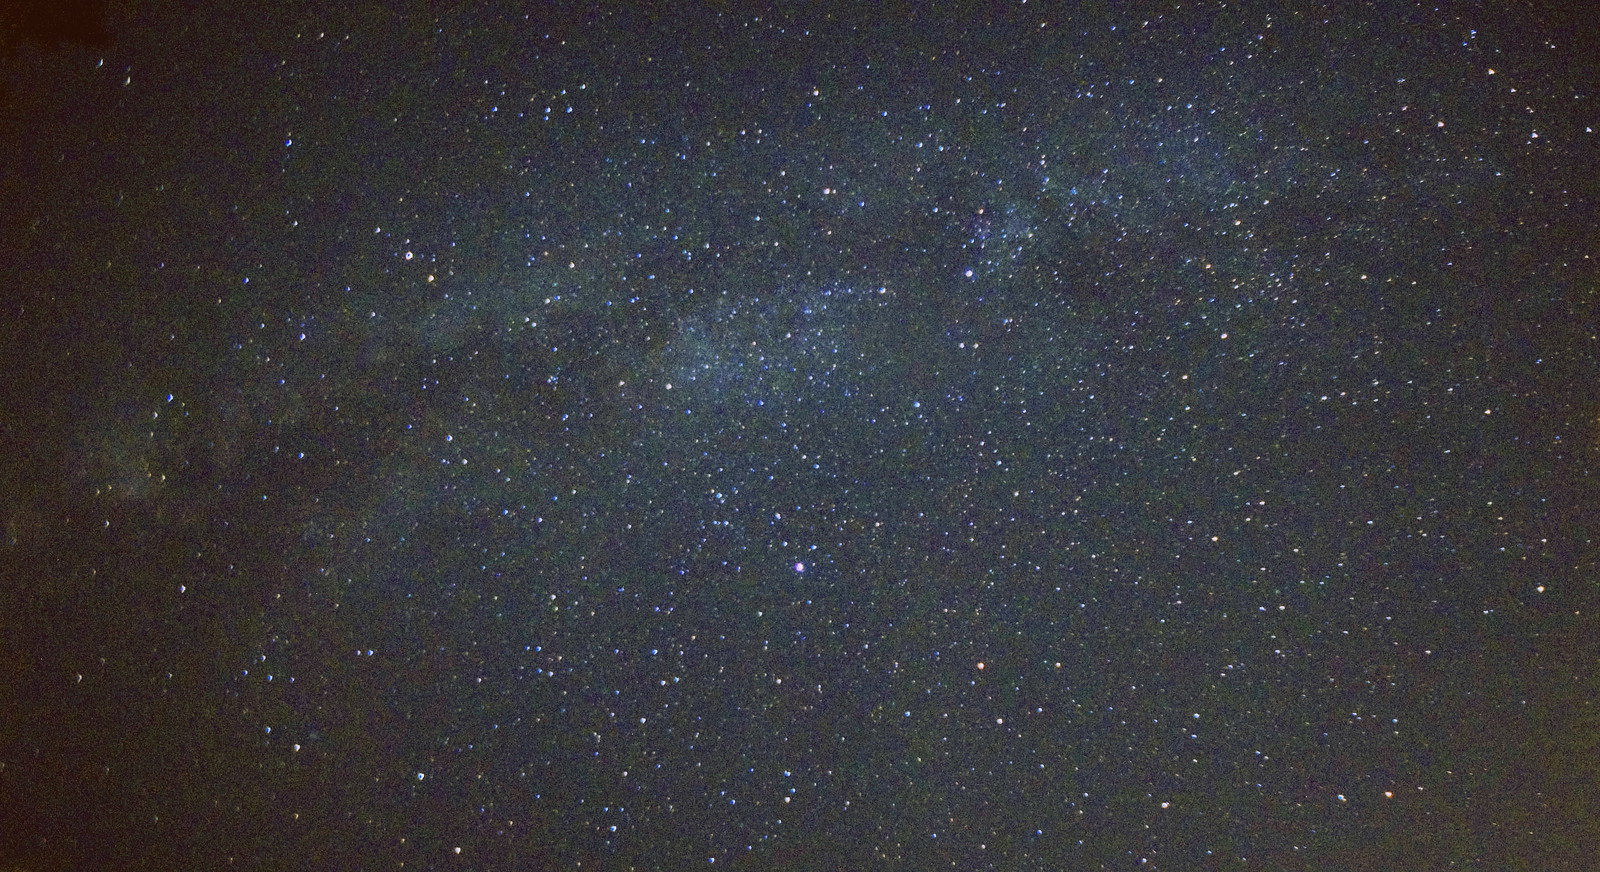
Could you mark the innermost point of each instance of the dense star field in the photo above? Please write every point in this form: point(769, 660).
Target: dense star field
point(1008, 437)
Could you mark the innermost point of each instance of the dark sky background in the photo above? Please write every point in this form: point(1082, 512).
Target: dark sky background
point(669, 437)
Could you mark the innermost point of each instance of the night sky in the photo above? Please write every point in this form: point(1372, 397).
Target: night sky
point(682, 436)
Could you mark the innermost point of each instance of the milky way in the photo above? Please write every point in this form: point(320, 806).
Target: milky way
point(1010, 439)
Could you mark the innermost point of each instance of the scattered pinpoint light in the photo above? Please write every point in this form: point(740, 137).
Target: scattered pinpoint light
point(799, 567)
